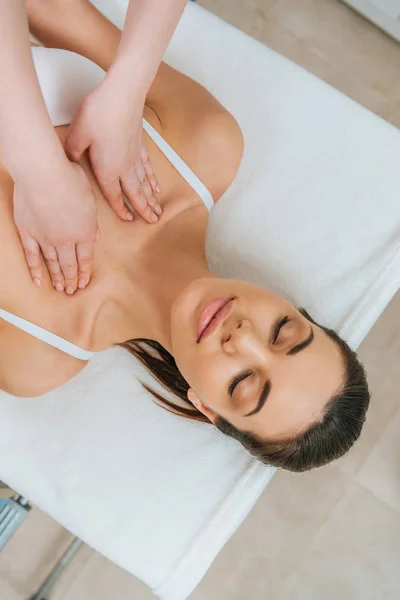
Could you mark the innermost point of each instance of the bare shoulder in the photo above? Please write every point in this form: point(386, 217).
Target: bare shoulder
point(219, 151)
point(198, 127)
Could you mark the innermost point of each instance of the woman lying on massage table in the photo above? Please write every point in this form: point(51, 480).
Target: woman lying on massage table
point(234, 354)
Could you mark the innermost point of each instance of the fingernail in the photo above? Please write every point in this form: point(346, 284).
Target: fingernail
point(70, 290)
point(154, 218)
point(59, 286)
point(82, 284)
point(158, 189)
point(158, 209)
point(129, 216)
point(37, 282)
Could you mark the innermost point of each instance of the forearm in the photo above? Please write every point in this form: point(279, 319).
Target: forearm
point(148, 28)
point(79, 27)
point(76, 26)
point(28, 142)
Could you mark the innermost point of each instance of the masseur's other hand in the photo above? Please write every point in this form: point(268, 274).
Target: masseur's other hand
point(109, 123)
point(55, 213)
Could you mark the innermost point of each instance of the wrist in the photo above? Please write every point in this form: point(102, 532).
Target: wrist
point(35, 168)
point(125, 101)
point(128, 80)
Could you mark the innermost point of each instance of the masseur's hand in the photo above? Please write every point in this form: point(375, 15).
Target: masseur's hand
point(108, 123)
point(55, 213)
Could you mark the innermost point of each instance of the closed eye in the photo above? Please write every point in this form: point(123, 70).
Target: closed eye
point(277, 328)
point(237, 380)
point(267, 386)
point(274, 336)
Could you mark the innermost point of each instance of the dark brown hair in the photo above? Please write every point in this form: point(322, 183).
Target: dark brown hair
point(324, 441)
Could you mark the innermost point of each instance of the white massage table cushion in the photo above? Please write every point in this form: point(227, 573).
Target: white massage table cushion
point(314, 214)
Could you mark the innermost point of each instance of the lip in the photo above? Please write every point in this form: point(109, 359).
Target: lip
point(213, 314)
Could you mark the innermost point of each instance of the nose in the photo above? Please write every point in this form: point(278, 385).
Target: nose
point(243, 339)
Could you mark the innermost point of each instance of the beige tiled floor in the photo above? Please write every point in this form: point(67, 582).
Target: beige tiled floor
point(329, 534)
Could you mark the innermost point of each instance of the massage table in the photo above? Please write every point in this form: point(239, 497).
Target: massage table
point(313, 214)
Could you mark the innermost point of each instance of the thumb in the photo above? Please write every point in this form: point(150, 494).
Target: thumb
point(76, 142)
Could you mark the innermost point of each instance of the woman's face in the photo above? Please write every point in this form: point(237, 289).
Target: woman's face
point(259, 363)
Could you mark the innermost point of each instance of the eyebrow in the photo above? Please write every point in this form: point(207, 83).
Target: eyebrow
point(299, 347)
point(267, 385)
point(262, 399)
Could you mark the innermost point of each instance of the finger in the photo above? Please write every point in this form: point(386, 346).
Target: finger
point(76, 141)
point(85, 256)
point(148, 167)
point(32, 255)
point(148, 194)
point(131, 187)
point(150, 180)
point(144, 184)
point(113, 193)
point(155, 186)
point(69, 266)
point(53, 266)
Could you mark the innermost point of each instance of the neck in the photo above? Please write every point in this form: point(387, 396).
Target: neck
point(160, 288)
point(137, 301)
point(134, 296)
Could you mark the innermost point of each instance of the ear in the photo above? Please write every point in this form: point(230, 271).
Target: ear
point(195, 400)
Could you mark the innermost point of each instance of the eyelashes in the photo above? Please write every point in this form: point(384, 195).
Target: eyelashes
point(278, 326)
point(237, 380)
point(275, 333)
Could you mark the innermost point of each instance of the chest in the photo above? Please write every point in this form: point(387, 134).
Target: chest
point(43, 368)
